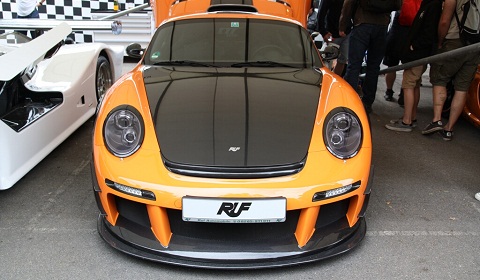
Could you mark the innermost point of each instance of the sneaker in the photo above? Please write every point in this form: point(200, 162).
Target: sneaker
point(400, 98)
point(399, 126)
point(446, 135)
point(433, 127)
point(477, 195)
point(389, 95)
point(414, 122)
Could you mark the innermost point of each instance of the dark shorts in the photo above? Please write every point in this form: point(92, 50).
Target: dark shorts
point(461, 69)
point(395, 40)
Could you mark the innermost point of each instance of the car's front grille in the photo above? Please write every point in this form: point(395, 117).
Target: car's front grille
point(227, 172)
point(234, 233)
point(133, 225)
point(332, 218)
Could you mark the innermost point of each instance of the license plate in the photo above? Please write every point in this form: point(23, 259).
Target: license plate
point(219, 210)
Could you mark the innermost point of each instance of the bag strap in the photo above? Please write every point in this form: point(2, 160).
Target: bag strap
point(464, 16)
point(355, 8)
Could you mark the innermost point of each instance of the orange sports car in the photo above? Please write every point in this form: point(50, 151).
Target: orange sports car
point(230, 145)
point(471, 111)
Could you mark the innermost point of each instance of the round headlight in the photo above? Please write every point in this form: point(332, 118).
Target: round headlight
point(123, 131)
point(342, 133)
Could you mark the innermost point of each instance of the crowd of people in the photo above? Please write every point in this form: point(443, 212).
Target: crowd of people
point(421, 28)
point(418, 30)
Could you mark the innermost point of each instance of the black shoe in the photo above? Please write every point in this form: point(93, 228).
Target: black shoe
point(446, 135)
point(368, 108)
point(400, 98)
point(433, 127)
point(389, 95)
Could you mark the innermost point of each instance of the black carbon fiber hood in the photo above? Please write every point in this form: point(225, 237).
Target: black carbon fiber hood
point(233, 117)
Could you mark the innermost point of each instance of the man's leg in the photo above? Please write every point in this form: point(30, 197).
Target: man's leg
point(416, 100)
point(439, 97)
point(458, 102)
point(409, 95)
point(389, 81)
point(376, 51)
point(358, 44)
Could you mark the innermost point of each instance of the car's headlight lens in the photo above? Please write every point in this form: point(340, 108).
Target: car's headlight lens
point(123, 131)
point(342, 133)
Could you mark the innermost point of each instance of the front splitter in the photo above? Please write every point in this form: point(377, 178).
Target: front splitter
point(253, 262)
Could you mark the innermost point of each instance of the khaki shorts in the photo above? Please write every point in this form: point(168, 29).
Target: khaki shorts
point(460, 69)
point(412, 77)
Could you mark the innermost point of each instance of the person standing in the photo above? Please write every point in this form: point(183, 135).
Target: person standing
point(401, 23)
point(420, 42)
point(368, 34)
point(460, 69)
point(28, 9)
point(395, 36)
point(328, 25)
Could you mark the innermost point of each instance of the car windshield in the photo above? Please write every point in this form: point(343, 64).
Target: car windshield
point(223, 42)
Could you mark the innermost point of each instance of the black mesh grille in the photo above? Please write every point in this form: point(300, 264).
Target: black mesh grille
point(133, 211)
point(234, 233)
point(254, 172)
point(333, 212)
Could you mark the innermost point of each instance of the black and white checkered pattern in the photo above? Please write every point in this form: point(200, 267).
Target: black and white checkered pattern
point(67, 9)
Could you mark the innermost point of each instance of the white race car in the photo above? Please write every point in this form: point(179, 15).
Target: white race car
point(47, 90)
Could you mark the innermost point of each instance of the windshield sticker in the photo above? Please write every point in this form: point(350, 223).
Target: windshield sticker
point(155, 55)
point(234, 24)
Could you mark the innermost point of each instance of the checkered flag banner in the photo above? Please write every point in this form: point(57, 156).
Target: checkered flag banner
point(67, 9)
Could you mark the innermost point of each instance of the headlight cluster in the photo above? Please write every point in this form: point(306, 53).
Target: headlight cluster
point(342, 133)
point(123, 131)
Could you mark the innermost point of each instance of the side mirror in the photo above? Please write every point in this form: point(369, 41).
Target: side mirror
point(330, 52)
point(134, 50)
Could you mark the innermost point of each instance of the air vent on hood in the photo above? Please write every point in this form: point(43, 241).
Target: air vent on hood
point(244, 6)
point(232, 2)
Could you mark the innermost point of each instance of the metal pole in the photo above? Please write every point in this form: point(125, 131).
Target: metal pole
point(474, 48)
point(122, 13)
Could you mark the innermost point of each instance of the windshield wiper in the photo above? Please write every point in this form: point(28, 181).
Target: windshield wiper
point(183, 63)
point(265, 63)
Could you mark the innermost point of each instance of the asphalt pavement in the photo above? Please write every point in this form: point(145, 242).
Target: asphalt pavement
point(423, 221)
